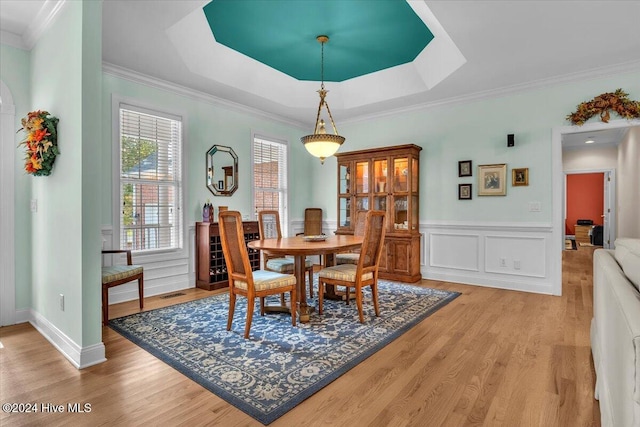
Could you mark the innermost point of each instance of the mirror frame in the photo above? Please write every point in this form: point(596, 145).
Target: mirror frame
point(214, 187)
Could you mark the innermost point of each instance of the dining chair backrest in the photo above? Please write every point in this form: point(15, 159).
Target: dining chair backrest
point(233, 246)
point(361, 219)
point(374, 232)
point(312, 221)
point(269, 225)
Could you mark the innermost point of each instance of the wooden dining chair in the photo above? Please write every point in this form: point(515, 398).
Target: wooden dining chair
point(365, 273)
point(269, 228)
point(313, 227)
point(353, 256)
point(242, 280)
point(118, 274)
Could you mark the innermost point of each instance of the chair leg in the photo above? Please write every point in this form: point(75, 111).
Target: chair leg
point(282, 301)
point(232, 307)
point(374, 296)
point(105, 305)
point(311, 282)
point(141, 293)
point(247, 326)
point(320, 295)
point(346, 295)
point(262, 305)
point(359, 303)
point(294, 306)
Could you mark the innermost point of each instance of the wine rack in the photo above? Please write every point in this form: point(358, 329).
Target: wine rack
point(211, 268)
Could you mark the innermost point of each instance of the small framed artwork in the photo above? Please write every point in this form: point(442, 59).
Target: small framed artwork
point(492, 180)
point(464, 168)
point(464, 191)
point(519, 177)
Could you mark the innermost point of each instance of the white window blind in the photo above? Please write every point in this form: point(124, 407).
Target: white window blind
point(270, 176)
point(150, 180)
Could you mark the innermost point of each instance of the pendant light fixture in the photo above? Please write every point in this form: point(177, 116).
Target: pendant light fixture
point(322, 144)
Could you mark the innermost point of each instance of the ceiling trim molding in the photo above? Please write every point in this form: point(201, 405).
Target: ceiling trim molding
point(43, 20)
point(13, 40)
point(156, 83)
point(594, 73)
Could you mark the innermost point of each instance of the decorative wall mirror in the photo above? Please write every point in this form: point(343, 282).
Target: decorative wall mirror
point(222, 170)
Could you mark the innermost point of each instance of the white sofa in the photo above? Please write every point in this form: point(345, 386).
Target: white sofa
point(615, 333)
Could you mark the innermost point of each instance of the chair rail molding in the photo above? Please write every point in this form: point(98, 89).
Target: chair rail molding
point(513, 256)
point(164, 272)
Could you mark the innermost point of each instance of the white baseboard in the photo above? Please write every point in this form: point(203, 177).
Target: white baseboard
point(80, 357)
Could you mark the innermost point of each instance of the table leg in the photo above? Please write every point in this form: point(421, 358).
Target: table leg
point(304, 310)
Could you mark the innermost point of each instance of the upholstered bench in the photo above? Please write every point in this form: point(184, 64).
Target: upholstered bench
point(115, 275)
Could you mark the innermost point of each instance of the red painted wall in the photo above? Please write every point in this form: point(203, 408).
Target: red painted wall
point(584, 198)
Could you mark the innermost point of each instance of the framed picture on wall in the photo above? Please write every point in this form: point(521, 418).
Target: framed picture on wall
point(519, 177)
point(464, 168)
point(464, 191)
point(492, 180)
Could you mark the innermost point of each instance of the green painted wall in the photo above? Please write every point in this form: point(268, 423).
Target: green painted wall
point(207, 124)
point(15, 65)
point(477, 131)
point(65, 255)
point(91, 171)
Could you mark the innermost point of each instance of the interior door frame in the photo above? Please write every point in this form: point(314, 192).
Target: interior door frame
point(608, 200)
point(557, 189)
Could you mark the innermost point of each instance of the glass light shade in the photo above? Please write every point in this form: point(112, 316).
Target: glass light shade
point(322, 145)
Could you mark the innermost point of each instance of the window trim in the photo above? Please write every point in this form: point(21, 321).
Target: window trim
point(118, 101)
point(284, 218)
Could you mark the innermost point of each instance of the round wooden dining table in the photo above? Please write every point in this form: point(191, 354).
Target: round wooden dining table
point(300, 247)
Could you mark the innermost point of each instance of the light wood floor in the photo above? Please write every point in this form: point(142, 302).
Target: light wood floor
point(491, 357)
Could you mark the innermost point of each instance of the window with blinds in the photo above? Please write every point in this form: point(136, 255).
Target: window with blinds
point(270, 176)
point(150, 180)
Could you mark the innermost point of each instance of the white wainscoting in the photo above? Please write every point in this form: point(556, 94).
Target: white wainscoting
point(508, 256)
point(163, 272)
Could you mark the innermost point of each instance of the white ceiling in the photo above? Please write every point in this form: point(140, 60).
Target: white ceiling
point(508, 45)
point(600, 138)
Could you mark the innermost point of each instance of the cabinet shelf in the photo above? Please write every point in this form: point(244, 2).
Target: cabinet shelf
point(211, 268)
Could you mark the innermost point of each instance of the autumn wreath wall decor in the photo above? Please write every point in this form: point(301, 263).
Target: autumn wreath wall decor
point(617, 102)
point(41, 142)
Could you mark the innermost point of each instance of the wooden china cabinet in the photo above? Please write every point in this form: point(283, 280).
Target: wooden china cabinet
point(385, 178)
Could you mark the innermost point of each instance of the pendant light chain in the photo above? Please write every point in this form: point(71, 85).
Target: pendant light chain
point(322, 66)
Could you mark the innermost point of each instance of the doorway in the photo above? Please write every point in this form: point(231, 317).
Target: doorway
point(590, 196)
point(558, 189)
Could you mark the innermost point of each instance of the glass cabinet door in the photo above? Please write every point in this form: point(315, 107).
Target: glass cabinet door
point(400, 214)
point(380, 176)
point(344, 178)
point(362, 177)
point(400, 174)
point(344, 211)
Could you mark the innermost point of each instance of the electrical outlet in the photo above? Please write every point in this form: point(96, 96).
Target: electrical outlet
point(61, 300)
point(516, 264)
point(34, 205)
point(535, 206)
point(503, 262)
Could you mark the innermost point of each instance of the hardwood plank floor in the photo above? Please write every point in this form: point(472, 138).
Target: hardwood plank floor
point(491, 357)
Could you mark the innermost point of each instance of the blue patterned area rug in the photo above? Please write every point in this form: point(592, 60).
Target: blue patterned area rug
point(279, 366)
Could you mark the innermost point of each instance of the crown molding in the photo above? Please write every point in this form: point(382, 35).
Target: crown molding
point(594, 73)
point(43, 20)
point(144, 79)
point(13, 40)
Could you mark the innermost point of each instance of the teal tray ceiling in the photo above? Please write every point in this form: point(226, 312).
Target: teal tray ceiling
point(364, 36)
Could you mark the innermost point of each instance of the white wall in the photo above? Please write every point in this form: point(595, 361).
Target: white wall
point(628, 187)
point(590, 159)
